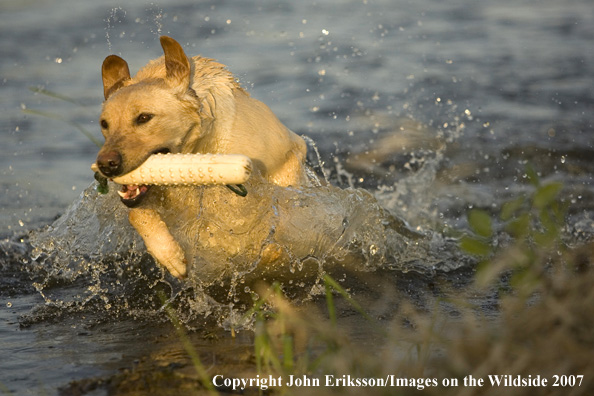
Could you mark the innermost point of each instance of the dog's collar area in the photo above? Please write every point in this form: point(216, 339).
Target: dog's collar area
point(163, 150)
point(238, 189)
point(133, 195)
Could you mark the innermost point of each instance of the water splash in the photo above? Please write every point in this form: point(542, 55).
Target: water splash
point(117, 15)
point(157, 16)
point(91, 256)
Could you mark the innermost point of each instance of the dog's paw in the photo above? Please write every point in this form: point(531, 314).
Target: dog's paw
point(159, 242)
point(176, 268)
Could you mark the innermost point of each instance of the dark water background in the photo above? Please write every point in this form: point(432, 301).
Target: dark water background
point(497, 85)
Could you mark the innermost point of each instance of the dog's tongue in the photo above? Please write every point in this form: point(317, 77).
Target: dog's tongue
point(131, 191)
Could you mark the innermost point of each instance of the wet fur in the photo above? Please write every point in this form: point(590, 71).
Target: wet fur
point(196, 106)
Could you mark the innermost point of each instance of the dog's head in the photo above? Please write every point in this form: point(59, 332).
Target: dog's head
point(158, 113)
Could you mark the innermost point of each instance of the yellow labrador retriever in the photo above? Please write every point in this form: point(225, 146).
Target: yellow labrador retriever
point(177, 104)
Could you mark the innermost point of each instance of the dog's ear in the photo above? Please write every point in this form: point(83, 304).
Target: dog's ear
point(114, 72)
point(177, 63)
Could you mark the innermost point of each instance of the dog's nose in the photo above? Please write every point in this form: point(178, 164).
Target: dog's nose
point(110, 163)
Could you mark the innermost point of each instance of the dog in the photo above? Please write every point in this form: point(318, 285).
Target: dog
point(177, 104)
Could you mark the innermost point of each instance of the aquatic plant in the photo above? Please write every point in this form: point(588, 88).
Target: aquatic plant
point(534, 222)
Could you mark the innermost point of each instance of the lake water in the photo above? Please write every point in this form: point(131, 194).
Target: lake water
point(433, 107)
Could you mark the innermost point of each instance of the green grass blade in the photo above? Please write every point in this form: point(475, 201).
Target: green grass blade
point(82, 129)
point(288, 353)
point(329, 281)
point(190, 350)
point(55, 95)
point(330, 303)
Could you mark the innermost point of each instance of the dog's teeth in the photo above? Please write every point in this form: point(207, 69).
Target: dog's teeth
point(129, 191)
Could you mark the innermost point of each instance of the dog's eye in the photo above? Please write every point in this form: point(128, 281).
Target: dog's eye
point(104, 124)
point(143, 118)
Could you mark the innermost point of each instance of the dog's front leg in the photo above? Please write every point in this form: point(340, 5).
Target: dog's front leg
point(158, 240)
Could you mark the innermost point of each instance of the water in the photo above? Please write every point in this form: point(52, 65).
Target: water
point(432, 107)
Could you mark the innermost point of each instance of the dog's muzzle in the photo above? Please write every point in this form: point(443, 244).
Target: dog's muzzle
point(110, 164)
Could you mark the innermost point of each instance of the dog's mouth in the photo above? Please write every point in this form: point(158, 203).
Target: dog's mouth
point(132, 194)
